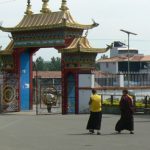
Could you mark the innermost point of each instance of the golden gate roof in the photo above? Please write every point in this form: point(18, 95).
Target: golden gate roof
point(48, 21)
point(82, 45)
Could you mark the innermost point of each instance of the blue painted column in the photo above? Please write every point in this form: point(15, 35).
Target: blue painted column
point(25, 81)
point(71, 93)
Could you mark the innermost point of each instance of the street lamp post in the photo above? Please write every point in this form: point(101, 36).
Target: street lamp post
point(128, 33)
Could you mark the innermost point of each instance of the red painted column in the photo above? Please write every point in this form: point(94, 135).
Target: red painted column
point(64, 88)
point(17, 71)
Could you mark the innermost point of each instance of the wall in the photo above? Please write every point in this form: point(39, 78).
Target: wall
point(110, 67)
point(85, 80)
point(84, 97)
point(113, 52)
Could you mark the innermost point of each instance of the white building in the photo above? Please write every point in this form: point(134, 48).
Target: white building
point(119, 58)
point(120, 48)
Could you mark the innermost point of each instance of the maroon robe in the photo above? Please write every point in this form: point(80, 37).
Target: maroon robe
point(126, 121)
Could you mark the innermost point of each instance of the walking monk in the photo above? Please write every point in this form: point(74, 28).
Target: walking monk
point(94, 122)
point(126, 108)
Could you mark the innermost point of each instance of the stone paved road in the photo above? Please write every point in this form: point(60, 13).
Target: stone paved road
point(25, 131)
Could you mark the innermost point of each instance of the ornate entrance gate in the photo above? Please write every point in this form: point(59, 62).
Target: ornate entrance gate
point(49, 29)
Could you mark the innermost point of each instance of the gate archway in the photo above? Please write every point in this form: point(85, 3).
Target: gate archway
point(45, 30)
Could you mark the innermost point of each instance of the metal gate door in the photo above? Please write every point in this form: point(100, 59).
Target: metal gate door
point(48, 99)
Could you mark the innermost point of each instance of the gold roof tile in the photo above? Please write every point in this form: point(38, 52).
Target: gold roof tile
point(47, 20)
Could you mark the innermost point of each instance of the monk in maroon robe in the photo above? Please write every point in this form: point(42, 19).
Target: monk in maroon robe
point(126, 107)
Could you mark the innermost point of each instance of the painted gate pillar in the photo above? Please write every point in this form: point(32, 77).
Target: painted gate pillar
point(71, 80)
point(17, 78)
point(25, 81)
point(78, 61)
point(23, 63)
point(72, 74)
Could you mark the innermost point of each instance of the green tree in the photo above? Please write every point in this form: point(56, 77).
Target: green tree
point(55, 64)
point(39, 64)
point(46, 65)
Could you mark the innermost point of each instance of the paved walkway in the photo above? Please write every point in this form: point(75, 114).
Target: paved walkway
point(26, 131)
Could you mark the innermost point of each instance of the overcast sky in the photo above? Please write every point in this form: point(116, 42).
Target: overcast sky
point(112, 15)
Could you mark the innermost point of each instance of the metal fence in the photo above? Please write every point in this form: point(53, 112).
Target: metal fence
point(141, 102)
point(121, 80)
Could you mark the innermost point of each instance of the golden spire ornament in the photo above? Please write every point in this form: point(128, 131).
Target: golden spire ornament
point(45, 8)
point(64, 5)
point(28, 10)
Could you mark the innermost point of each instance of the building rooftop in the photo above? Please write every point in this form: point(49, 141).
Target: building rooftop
point(9, 49)
point(47, 74)
point(133, 58)
point(49, 20)
point(101, 74)
point(57, 74)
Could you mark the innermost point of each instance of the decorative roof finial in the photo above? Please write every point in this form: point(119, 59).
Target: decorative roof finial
point(64, 5)
point(28, 10)
point(45, 8)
